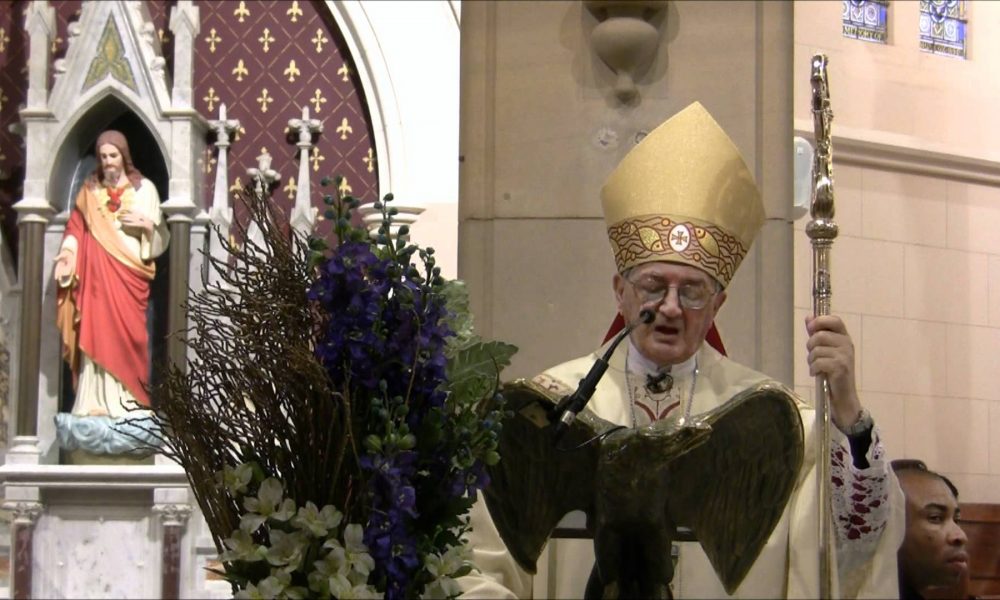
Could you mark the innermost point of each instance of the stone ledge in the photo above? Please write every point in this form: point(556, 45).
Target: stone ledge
point(93, 476)
point(893, 157)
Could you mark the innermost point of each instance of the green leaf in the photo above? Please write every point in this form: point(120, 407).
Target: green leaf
point(475, 369)
point(484, 359)
point(460, 317)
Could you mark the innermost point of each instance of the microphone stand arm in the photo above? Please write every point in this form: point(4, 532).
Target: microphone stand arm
point(567, 409)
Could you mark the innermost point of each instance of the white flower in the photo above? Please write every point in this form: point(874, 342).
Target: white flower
point(441, 588)
point(334, 564)
point(342, 589)
point(448, 563)
point(268, 497)
point(335, 561)
point(266, 589)
point(235, 480)
point(296, 593)
point(241, 547)
point(287, 549)
point(250, 592)
point(267, 505)
point(277, 585)
point(318, 522)
point(356, 551)
point(251, 522)
point(442, 567)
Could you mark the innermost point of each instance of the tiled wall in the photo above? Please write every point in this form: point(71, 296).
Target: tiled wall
point(917, 264)
point(916, 276)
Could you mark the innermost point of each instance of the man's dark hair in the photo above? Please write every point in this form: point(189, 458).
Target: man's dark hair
point(914, 464)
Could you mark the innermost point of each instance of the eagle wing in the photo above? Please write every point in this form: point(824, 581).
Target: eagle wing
point(538, 480)
point(732, 489)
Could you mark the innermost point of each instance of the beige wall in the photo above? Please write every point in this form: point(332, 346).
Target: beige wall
point(917, 263)
point(541, 131)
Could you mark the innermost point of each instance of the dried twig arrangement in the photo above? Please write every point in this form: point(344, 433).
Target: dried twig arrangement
point(255, 391)
point(345, 384)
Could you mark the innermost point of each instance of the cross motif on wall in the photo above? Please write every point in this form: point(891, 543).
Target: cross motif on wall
point(317, 100)
point(264, 99)
point(266, 39)
point(212, 39)
point(316, 158)
point(211, 98)
point(319, 39)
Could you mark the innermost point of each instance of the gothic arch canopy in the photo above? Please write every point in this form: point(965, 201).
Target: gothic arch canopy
point(73, 159)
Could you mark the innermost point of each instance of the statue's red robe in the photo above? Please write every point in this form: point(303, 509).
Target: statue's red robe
point(104, 314)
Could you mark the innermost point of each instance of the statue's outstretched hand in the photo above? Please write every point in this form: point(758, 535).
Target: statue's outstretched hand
point(65, 267)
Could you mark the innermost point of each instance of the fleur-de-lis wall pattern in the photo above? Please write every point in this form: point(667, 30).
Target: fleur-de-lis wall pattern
point(265, 59)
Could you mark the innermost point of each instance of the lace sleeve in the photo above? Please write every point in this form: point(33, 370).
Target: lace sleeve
point(859, 500)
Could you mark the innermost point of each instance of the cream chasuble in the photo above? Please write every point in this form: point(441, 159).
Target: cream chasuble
point(787, 565)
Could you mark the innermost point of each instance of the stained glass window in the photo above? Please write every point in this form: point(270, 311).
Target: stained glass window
point(866, 20)
point(943, 27)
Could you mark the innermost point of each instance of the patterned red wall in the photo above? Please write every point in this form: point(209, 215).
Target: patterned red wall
point(302, 59)
point(13, 93)
point(266, 60)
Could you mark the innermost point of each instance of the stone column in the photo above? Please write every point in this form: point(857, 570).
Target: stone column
point(22, 533)
point(34, 213)
point(774, 332)
point(174, 517)
point(180, 207)
point(33, 216)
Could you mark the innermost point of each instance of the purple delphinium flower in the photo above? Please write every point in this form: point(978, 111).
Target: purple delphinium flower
point(383, 341)
point(388, 533)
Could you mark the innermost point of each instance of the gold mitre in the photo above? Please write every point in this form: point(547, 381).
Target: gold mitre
point(683, 194)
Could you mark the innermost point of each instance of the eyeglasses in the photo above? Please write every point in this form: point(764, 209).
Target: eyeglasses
point(692, 295)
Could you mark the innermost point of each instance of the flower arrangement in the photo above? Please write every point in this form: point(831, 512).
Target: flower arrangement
point(338, 414)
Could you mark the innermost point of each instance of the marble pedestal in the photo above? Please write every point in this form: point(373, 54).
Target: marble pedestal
point(106, 531)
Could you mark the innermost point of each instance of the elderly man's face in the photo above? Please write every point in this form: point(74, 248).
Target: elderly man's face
point(683, 315)
point(933, 551)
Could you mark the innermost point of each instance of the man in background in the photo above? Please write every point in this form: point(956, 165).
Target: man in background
point(933, 551)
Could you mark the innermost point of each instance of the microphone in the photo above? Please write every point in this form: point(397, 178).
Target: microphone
point(571, 405)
